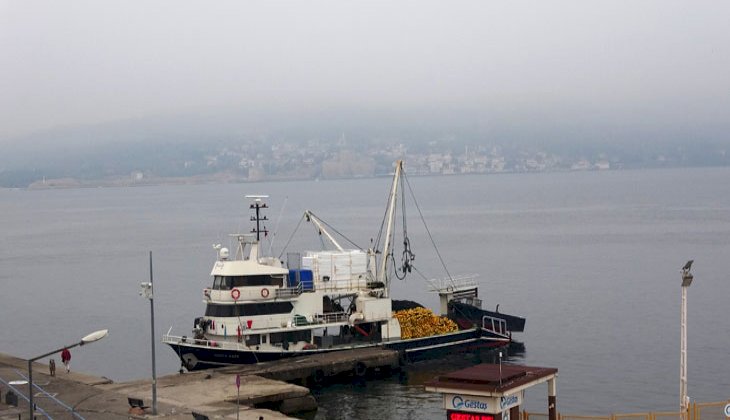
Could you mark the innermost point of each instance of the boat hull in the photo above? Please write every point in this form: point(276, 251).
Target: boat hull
point(465, 314)
point(197, 357)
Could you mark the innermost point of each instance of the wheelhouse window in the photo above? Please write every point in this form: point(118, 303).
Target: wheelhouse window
point(303, 335)
point(253, 340)
point(248, 309)
point(291, 336)
point(276, 338)
point(229, 282)
point(222, 283)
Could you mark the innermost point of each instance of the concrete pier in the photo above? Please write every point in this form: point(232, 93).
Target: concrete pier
point(265, 389)
point(209, 393)
point(320, 367)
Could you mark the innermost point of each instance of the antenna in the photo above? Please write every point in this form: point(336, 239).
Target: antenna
point(276, 227)
point(257, 205)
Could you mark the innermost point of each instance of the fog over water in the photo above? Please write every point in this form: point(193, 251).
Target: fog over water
point(610, 65)
point(591, 259)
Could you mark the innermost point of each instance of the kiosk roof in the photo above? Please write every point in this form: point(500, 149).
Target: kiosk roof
point(485, 378)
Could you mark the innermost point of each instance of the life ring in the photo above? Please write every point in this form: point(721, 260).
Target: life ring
point(235, 294)
point(265, 292)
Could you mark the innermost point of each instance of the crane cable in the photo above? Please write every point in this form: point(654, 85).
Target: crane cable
point(443, 264)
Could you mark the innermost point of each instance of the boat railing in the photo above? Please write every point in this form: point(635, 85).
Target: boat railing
point(176, 339)
point(495, 325)
point(452, 284)
point(335, 285)
point(289, 292)
point(330, 317)
point(228, 345)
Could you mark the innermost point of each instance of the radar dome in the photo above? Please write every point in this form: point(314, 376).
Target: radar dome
point(224, 254)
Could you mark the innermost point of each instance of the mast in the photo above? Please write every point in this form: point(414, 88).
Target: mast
point(257, 205)
point(382, 275)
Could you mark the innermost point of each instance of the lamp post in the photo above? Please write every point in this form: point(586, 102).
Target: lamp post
point(683, 398)
point(148, 292)
point(95, 336)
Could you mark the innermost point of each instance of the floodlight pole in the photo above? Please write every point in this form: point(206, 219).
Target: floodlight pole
point(683, 398)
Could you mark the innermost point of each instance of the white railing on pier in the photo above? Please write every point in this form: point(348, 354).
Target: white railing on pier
point(15, 390)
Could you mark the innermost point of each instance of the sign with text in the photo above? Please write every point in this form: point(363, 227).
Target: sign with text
point(481, 404)
point(469, 403)
point(464, 415)
point(508, 401)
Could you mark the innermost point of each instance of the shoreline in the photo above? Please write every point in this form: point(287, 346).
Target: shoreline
point(226, 178)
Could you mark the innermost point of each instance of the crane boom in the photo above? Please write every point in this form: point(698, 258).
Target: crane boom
point(320, 226)
point(382, 275)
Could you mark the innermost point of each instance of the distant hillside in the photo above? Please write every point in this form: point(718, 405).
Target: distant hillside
point(267, 146)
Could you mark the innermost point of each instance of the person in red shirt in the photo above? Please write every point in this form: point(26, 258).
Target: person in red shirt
point(66, 359)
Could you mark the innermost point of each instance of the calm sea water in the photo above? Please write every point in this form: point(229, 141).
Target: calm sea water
point(591, 259)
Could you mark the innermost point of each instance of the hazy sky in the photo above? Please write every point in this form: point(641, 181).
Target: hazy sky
point(78, 62)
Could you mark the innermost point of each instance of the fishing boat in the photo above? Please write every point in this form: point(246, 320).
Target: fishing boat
point(259, 308)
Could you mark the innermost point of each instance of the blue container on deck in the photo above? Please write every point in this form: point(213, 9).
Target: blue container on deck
point(306, 278)
point(293, 280)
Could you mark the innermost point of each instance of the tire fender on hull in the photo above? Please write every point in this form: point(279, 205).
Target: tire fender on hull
point(318, 376)
point(402, 358)
point(360, 369)
point(189, 360)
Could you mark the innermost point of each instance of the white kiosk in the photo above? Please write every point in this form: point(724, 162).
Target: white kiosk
point(492, 392)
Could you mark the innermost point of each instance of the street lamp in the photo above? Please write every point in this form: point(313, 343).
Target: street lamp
point(95, 336)
point(683, 398)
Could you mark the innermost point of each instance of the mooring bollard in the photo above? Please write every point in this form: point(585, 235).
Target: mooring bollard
point(11, 398)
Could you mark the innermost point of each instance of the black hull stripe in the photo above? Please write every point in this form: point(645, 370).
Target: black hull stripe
point(209, 357)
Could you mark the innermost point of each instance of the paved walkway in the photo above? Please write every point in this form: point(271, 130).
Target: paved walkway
point(99, 398)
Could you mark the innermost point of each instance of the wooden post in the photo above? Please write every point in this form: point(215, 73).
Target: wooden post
point(552, 391)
